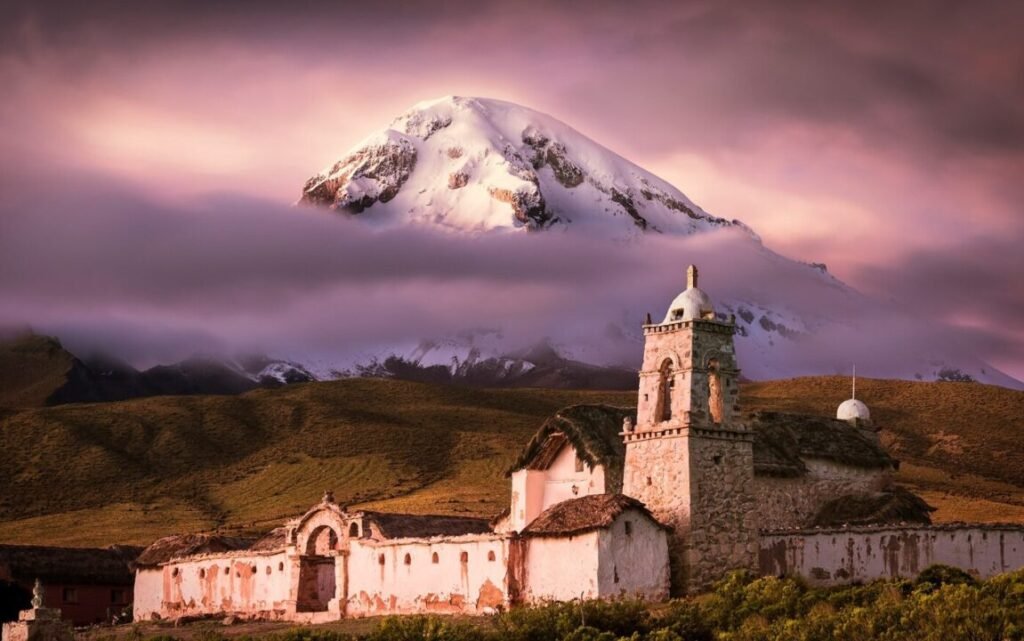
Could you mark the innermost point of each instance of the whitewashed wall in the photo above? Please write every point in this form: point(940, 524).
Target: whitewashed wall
point(846, 555)
point(148, 593)
point(534, 491)
point(450, 585)
point(212, 584)
point(634, 562)
point(562, 568)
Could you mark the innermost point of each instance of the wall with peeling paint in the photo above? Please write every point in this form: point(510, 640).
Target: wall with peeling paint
point(252, 584)
point(633, 558)
point(401, 576)
point(846, 555)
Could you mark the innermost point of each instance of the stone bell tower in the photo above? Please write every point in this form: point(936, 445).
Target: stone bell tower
point(689, 458)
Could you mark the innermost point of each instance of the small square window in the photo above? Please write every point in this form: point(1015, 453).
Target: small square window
point(629, 528)
point(579, 464)
point(69, 595)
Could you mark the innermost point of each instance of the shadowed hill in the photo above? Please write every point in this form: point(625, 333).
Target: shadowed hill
point(32, 368)
point(93, 474)
point(37, 370)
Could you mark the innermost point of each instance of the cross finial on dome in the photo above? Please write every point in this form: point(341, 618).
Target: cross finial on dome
point(691, 277)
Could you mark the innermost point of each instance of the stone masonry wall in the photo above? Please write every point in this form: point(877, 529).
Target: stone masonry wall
point(723, 524)
point(792, 503)
point(847, 555)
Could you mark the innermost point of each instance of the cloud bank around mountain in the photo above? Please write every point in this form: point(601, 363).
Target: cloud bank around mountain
point(109, 270)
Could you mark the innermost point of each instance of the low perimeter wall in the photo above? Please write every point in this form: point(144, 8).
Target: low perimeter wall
point(846, 555)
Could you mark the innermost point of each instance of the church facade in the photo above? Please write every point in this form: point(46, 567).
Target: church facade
point(605, 502)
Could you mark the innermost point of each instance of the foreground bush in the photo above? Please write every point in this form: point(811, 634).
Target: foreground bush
point(943, 604)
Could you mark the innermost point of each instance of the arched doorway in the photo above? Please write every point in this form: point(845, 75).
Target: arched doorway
point(317, 578)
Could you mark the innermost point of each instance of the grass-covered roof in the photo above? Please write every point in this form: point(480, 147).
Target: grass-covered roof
point(592, 430)
point(894, 506)
point(783, 442)
point(182, 545)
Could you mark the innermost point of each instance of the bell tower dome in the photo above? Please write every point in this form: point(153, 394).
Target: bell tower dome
point(689, 374)
point(689, 457)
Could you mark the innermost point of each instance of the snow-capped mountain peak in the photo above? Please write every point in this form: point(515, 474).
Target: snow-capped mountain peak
point(478, 164)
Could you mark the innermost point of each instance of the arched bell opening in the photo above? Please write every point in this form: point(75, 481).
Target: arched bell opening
point(716, 402)
point(666, 390)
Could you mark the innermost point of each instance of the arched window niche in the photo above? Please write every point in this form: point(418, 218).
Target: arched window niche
point(666, 390)
point(716, 404)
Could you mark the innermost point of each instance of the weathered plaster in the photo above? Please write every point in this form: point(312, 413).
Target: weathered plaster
point(633, 558)
point(470, 575)
point(846, 555)
point(248, 584)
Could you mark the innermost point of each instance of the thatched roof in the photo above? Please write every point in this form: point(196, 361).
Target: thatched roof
point(593, 430)
point(424, 526)
point(782, 442)
point(95, 566)
point(499, 517)
point(272, 541)
point(894, 506)
point(172, 547)
point(584, 514)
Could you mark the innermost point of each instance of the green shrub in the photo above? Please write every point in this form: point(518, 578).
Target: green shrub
point(541, 623)
point(682, 618)
point(621, 618)
point(739, 596)
point(587, 633)
point(425, 628)
point(305, 634)
point(937, 575)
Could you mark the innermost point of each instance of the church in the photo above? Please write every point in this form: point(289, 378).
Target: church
point(651, 502)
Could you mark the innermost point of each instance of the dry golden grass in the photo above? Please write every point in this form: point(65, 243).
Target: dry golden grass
point(245, 463)
point(129, 472)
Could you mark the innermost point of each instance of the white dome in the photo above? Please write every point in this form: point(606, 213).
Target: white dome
point(853, 409)
point(691, 304)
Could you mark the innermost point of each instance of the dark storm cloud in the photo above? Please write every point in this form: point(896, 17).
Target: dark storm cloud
point(979, 280)
point(911, 72)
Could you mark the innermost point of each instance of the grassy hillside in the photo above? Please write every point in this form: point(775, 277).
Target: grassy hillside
point(92, 474)
point(960, 444)
point(134, 470)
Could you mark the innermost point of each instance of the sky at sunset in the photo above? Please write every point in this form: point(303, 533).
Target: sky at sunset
point(883, 139)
